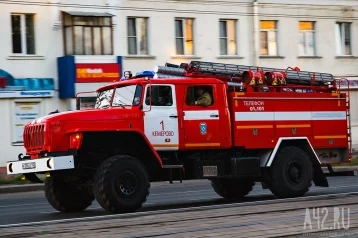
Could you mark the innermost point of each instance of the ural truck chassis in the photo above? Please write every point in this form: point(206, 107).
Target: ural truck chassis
point(232, 124)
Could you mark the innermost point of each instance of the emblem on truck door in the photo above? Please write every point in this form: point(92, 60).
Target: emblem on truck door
point(293, 131)
point(203, 128)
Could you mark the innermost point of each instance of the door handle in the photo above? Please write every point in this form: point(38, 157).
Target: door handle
point(214, 115)
point(173, 116)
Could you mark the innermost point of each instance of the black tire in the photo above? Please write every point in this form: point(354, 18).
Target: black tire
point(291, 173)
point(67, 196)
point(121, 184)
point(232, 188)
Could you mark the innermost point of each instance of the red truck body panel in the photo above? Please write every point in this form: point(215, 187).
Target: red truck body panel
point(262, 118)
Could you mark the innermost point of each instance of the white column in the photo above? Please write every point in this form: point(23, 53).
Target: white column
point(55, 13)
point(112, 4)
point(256, 33)
point(71, 104)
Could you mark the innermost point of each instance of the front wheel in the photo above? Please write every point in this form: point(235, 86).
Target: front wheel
point(121, 184)
point(67, 195)
point(291, 173)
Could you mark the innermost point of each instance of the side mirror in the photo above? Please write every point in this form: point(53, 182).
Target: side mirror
point(54, 112)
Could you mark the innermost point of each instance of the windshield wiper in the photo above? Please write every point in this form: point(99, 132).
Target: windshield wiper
point(105, 106)
point(121, 104)
point(118, 104)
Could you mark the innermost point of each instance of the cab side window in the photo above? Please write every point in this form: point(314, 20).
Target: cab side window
point(201, 95)
point(159, 95)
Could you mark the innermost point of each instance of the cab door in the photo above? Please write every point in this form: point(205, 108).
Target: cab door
point(201, 123)
point(161, 116)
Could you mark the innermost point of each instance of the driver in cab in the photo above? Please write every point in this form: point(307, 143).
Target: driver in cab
point(204, 98)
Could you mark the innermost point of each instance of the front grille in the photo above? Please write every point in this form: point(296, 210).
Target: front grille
point(34, 136)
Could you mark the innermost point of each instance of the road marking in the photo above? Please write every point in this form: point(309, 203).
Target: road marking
point(176, 210)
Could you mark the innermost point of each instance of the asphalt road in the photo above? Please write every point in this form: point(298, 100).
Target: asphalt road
point(33, 207)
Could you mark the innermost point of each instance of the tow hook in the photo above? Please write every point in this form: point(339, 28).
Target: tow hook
point(21, 157)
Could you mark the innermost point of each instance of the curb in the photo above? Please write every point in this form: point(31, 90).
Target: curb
point(4, 189)
point(21, 188)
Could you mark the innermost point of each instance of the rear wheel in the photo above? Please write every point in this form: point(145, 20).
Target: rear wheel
point(290, 173)
point(67, 195)
point(232, 188)
point(121, 184)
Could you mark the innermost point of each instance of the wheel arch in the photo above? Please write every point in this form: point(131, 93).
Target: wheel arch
point(103, 144)
point(303, 143)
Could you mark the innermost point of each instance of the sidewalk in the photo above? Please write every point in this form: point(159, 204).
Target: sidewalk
point(39, 187)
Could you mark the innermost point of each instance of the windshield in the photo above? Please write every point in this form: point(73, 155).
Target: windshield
point(123, 96)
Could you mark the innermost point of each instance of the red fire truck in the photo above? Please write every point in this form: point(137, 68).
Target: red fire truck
point(231, 124)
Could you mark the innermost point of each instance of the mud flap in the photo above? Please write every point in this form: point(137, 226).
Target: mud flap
point(319, 178)
point(32, 177)
point(303, 143)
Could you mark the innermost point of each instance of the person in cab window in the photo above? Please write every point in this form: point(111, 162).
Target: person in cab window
point(204, 98)
point(166, 99)
point(152, 96)
point(161, 96)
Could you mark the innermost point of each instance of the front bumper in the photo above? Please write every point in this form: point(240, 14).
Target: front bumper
point(40, 165)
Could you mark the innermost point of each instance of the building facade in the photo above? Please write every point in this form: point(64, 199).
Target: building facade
point(52, 50)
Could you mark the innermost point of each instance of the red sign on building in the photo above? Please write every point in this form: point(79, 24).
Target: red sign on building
point(95, 73)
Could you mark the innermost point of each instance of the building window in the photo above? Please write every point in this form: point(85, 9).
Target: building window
point(88, 35)
point(268, 37)
point(228, 45)
point(343, 38)
point(24, 112)
point(137, 31)
point(307, 38)
point(184, 36)
point(23, 34)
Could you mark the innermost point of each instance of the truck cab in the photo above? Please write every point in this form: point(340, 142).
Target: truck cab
point(175, 120)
